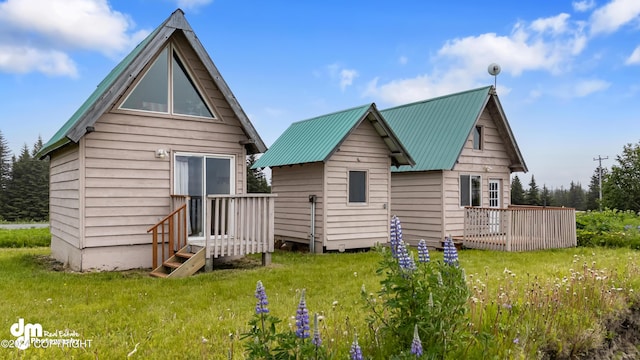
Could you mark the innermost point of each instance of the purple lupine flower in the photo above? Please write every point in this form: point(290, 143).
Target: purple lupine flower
point(393, 235)
point(355, 352)
point(423, 251)
point(302, 318)
point(316, 340)
point(450, 252)
point(261, 295)
point(404, 260)
point(416, 344)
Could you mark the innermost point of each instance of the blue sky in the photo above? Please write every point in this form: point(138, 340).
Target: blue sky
point(570, 80)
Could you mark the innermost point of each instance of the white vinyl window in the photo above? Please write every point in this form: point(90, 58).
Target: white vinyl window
point(470, 190)
point(168, 88)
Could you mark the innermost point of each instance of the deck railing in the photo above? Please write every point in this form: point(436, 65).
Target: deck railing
point(169, 234)
point(239, 224)
point(519, 228)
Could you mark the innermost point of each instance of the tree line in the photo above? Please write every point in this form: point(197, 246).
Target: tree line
point(24, 183)
point(620, 187)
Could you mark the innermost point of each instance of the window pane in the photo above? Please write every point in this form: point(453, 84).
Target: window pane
point(357, 186)
point(151, 93)
point(186, 99)
point(218, 176)
point(477, 138)
point(464, 190)
point(475, 191)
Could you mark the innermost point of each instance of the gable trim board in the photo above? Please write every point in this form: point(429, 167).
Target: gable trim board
point(109, 91)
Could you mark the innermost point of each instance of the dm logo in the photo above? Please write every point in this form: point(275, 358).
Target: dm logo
point(24, 332)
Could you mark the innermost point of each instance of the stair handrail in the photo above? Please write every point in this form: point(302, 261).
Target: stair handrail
point(181, 212)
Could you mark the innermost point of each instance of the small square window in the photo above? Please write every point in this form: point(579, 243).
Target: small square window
point(357, 186)
point(477, 138)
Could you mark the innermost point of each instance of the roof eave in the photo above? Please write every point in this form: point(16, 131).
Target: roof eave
point(520, 164)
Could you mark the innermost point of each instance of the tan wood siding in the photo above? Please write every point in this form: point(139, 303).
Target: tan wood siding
point(294, 184)
point(416, 198)
point(127, 187)
point(64, 195)
point(358, 225)
point(492, 162)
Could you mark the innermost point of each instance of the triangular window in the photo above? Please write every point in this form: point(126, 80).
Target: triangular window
point(167, 88)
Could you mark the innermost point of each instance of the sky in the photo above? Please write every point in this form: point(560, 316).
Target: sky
point(569, 85)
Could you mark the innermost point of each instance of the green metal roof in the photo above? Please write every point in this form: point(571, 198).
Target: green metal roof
point(434, 131)
point(316, 139)
point(116, 82)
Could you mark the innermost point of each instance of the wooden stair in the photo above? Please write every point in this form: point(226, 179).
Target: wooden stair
point(182, 264)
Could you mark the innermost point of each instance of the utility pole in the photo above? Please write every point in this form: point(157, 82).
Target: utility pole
point(599, 160)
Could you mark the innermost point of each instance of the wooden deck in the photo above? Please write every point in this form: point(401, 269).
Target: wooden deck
point(237, 225)
point(519, 228)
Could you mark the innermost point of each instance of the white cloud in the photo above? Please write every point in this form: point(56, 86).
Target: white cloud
point(338, 72)
point(614, 15)
point(346, 77)
point(192, 4)
point(587, 87)
point(546, 44)
point(634, 58)
point(555, 24)
point(52, 28)
point(25, 59)
point(583, 5)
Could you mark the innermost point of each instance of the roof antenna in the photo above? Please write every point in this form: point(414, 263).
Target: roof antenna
point(494, 69)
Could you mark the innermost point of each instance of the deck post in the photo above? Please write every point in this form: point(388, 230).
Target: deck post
point(266, 258)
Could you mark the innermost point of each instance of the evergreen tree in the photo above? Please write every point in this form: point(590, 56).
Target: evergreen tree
point(532, 197)
point(5, 172)
point(593, 194)
point(545, 196)
point(517, 192)
point(576, 196)
point(560, 197)
point(256, 181)
point(622, 184)
point(28, 187)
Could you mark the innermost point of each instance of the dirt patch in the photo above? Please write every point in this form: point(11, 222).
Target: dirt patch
point(48, 263)
point(623, 340)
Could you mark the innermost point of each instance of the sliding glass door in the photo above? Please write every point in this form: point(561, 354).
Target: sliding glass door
point(199, 175)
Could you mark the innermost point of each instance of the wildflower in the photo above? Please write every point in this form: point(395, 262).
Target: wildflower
point(316, 340)
point(431, 300)
point(393, 232)
point(450, 252)
point(302, 318)
point(423, 252)
point(416, 344)
point(405, 261)
point(355, 352)
point(261, 295)
point(516, 341)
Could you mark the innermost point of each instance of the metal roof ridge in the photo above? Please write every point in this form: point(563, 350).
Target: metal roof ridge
point(332, 113)
point(438, 98)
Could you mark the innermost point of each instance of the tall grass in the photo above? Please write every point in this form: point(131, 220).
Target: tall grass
point(17, 238)
point(202, 316)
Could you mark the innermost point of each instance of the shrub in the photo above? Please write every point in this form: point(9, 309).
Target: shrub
point(609, 228)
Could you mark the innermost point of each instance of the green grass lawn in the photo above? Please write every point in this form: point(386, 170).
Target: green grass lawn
point(202, 316)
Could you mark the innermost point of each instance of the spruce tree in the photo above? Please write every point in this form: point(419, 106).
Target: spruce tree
point(622, 184)
point(545, 196)
point(517, 192)
point(256, 181)
point(576, 196)
point(532, 196)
